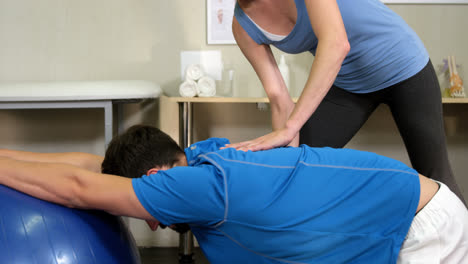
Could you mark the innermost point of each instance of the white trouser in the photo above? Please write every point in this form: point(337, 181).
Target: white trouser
point(438, 233)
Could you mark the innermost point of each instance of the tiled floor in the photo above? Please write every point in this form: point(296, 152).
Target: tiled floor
point(168, 256)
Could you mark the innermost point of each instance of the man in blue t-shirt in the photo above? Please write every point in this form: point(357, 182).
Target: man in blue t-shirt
point(286, 205)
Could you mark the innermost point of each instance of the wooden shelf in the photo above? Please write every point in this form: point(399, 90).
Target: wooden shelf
point(454, 100)
point(219, 99)
point(265, 100)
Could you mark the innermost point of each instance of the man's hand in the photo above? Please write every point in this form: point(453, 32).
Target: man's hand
point(179, 228)
point(278, 138)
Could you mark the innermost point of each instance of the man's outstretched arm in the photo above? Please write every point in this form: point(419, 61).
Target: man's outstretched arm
point(72, 186)
point(83, 160)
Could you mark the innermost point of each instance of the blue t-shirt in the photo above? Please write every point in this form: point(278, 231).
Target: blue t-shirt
point(384, 49)
point(286, 205)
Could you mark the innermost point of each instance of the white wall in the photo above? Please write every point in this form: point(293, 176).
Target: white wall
point(65, 40)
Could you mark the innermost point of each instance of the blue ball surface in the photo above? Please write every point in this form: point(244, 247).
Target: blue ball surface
point(36, 231)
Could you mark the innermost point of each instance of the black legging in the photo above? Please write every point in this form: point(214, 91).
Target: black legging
point(416, 107)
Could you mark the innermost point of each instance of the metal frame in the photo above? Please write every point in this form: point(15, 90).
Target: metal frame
point(185, 137)
point(106, 105)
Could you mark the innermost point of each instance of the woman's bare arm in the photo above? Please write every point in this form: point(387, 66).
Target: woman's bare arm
point(332, 48)
point(263, 62)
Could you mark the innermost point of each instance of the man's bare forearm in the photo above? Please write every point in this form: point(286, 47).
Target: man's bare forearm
point(72, 186)
point(83, 160)
point(54, 182)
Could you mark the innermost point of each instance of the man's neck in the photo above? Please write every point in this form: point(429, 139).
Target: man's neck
point(182, 161)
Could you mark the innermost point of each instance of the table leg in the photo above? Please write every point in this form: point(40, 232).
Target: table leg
point(108, 122)
point(186, 239)
point(187, 125)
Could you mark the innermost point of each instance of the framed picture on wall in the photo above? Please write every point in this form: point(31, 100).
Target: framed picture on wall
point(219, 15)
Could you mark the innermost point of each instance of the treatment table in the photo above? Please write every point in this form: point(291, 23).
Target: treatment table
point(79, 94)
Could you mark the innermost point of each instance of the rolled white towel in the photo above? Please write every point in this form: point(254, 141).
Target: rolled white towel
point(188, 88)
point(194, 72)
point(206, 87)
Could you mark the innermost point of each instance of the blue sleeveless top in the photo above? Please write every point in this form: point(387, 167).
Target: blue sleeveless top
point(384, 49)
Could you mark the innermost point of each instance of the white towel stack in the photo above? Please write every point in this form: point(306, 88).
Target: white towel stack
point(194, 72)
point(188, 88)
point(196, 83)
point(206, 86)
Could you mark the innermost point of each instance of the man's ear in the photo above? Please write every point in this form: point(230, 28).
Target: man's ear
point(152, 171)
point(156, 170)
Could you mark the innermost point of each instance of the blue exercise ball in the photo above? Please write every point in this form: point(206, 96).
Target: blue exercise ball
point(36, 231)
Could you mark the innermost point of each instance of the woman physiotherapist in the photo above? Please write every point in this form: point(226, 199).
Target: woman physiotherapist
point(365, 55)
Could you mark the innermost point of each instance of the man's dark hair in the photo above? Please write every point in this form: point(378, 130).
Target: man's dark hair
point(139, 149)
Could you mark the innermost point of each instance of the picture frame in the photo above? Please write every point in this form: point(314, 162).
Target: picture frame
point(219, 14)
